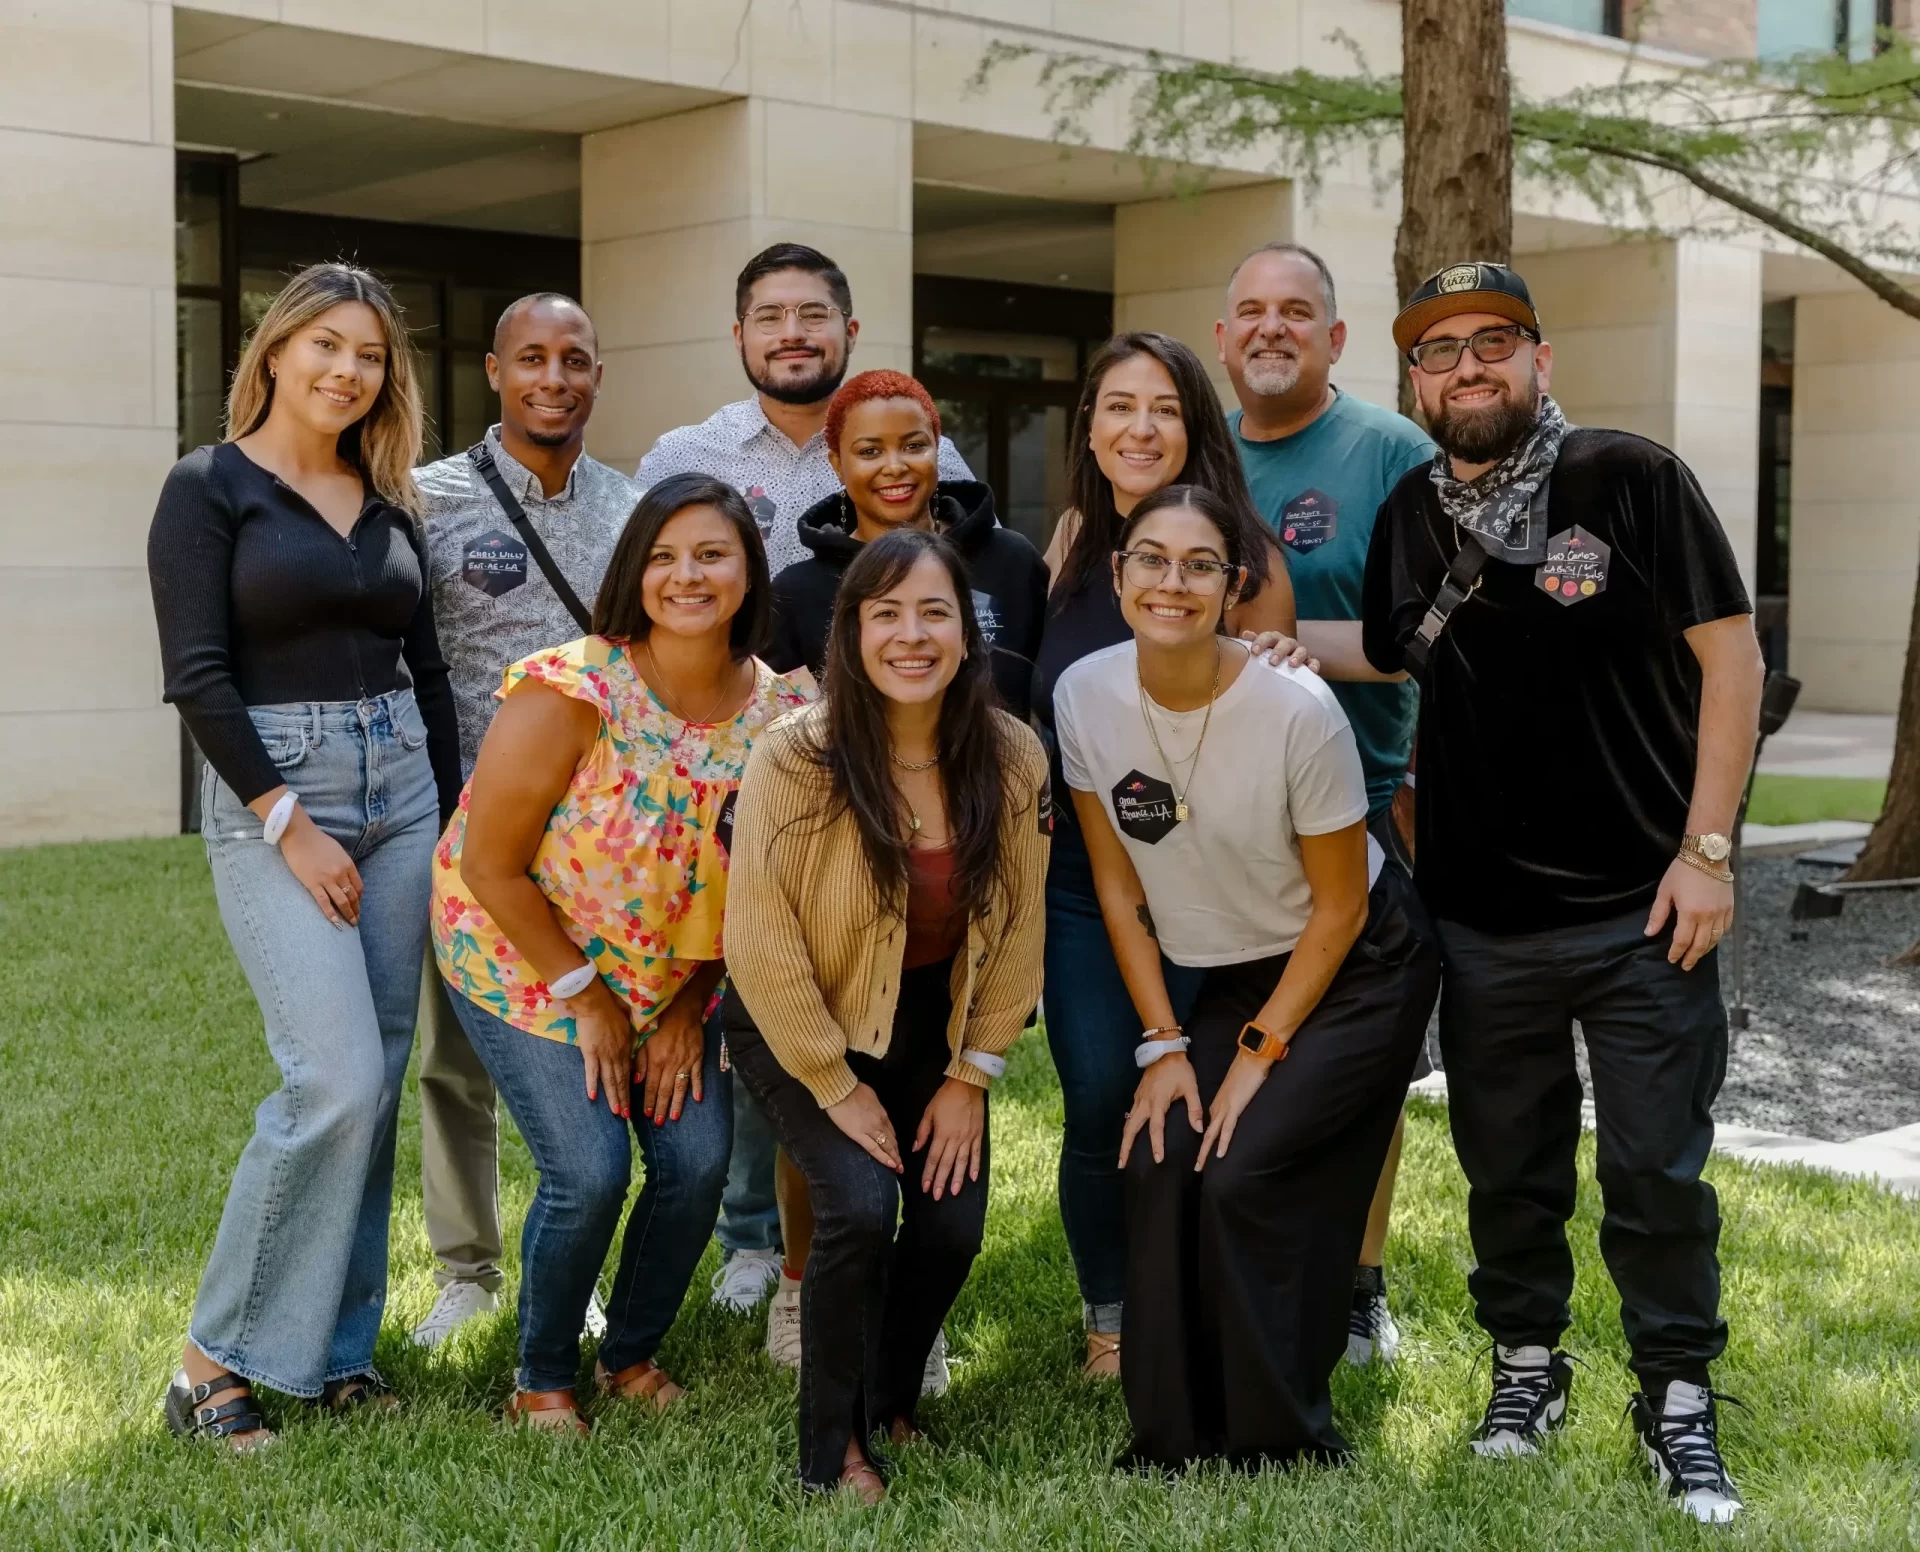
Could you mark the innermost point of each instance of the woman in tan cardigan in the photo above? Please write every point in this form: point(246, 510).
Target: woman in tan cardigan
point(883, 937)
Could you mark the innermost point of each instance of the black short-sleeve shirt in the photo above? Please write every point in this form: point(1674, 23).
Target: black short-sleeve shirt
point(1559, 715)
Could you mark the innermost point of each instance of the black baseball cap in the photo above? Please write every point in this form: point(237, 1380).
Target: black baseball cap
point(1464, 288)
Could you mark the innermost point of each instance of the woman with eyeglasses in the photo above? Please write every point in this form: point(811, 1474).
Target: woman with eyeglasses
point(1147, 416)
point(1224, 812)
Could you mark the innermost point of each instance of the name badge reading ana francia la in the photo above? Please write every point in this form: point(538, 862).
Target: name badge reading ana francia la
point(1575, 567)
point(1144, 807)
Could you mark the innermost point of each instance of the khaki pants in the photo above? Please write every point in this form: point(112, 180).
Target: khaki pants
point(459, 1145)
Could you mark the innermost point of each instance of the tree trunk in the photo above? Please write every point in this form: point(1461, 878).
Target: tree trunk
point(1893, 849)
point(1456, 177)
point(1456, 181)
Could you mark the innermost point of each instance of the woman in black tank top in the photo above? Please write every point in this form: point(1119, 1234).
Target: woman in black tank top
point(1147, 417)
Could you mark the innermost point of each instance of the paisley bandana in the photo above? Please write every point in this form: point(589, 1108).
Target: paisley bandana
point(1498, 505)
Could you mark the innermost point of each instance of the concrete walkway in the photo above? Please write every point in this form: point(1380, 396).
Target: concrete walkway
point(1830, 743)
point(1892, 1158)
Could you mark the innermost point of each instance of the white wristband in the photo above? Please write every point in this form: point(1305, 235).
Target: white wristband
point(279, 818)
point(1147, 1052)
point(573, 983)
point(993, 1066)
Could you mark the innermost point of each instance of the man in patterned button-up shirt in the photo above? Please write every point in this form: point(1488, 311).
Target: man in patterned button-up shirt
point(795, 329)
point(491, 607)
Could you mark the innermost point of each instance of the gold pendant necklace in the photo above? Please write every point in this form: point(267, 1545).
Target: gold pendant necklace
point(671, 701)
point(1180, 808)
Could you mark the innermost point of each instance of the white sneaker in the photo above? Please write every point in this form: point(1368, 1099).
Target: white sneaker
point(744, 1279)
point(456, 1305)
point(938, 1377)
point(1682, 1444)
point(783, 1324)
point(595, 1325)
point(1371, 1334)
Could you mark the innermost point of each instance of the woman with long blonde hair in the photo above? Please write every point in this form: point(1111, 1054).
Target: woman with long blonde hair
point(296, 634)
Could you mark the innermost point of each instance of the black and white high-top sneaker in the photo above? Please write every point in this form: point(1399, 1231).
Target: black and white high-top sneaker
point(1530, 1387)
point(1680, 1435)
point(1371, 1333)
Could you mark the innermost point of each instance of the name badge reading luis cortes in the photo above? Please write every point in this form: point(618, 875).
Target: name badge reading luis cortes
point(1576, 566)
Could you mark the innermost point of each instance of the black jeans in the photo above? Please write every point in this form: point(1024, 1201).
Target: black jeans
point(872, 1300)
point(1657, 1043)
point(1239, 1278)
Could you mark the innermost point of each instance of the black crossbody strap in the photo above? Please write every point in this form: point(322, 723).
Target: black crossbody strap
point(1454, 591)
point(482, 457)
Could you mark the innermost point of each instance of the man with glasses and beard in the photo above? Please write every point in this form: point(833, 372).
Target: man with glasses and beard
point(1590, 698)
point(793, 324)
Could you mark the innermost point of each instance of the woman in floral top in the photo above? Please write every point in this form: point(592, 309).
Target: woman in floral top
point(578, 902)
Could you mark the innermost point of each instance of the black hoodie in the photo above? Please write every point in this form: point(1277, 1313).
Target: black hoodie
point(1009, 585)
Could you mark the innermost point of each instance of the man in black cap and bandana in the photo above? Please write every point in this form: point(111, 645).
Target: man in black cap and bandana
point(1590, 690)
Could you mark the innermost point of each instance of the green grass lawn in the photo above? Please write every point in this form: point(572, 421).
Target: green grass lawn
point(1782, 800)
point(130, 1060)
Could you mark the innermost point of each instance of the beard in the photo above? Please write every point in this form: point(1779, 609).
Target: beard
point(1489, 433)
point(823, 376)
point(548, 438)
point(1271, 376)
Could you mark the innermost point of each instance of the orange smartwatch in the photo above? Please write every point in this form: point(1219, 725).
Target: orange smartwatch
point(1263, 1043)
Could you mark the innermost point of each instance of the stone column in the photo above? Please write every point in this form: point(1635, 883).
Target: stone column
point(1856, 515)
point(670, 210)
point(1663, 339)
point(86, 417)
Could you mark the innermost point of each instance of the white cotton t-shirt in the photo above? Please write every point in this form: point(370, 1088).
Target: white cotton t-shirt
point(1279, 761)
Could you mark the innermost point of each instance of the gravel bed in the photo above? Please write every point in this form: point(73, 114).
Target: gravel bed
point(1832, 1049)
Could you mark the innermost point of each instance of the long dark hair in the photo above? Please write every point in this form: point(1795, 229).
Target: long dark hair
point(1212, 463)
point(620, 610)
point(1194, 498)
point(855, 749)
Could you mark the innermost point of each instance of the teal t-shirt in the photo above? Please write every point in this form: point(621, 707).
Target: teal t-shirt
point(1318, 490)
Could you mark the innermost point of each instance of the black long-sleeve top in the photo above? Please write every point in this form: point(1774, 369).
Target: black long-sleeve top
point(261, 601)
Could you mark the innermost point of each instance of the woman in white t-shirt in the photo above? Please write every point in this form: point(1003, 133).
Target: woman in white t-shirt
point(1225, 814)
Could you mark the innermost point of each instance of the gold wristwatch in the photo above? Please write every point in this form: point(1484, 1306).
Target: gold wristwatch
point(1708, 852)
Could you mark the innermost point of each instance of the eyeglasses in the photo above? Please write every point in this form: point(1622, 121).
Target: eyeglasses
point(1488, 346)
point(771, 317)
point(1149, 568)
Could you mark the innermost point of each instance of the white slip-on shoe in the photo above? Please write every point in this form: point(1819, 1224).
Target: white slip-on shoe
point(937, 1377)
point(744, 1279)
point(456, 1305)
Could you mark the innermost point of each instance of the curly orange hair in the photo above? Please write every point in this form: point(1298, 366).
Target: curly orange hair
point(876, 385)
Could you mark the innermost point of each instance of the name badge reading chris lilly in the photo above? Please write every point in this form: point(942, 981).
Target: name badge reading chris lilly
point(1575, 568)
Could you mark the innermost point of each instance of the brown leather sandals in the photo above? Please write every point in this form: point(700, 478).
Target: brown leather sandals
point(643, 1381)
point(524, 1405)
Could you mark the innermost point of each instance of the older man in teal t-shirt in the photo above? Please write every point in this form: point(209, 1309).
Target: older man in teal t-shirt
point(1319, 462)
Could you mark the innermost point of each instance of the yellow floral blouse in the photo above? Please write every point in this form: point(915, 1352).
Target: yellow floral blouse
point(635, 855)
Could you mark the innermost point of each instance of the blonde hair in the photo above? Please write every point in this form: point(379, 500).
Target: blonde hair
point(384, 444)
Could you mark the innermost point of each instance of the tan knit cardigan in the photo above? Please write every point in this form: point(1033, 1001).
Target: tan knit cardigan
point(815, 957)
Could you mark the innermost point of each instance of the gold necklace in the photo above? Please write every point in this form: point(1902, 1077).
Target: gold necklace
point(914, 765)
point(1180, 809)
point(659, 682)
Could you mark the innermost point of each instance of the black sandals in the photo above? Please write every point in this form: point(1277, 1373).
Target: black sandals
point(191, 1417)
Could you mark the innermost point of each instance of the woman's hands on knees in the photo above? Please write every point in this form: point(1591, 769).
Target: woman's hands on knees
point(1168, 1079)
point(955, 1122)
point(863, 1118)
point(604, 1034)
point(1237, 1089)
point(672, 1059)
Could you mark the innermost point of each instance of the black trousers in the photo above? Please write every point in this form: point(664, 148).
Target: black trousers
point(1657, 1043)
point(1239, 1278)
point(888, 1260)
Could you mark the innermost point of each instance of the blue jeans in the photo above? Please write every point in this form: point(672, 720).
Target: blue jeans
point(1092, 1029)
point(293, 1292)
point(585, 1159)
point(749, 1212)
